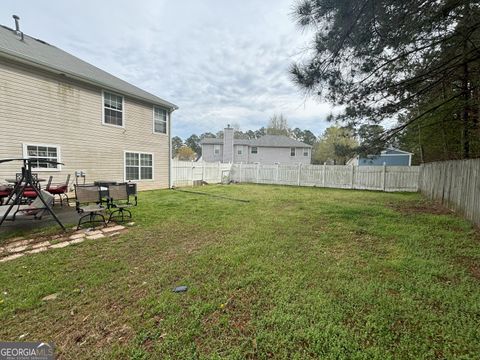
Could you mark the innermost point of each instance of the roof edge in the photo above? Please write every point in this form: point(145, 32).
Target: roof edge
point(41, 65)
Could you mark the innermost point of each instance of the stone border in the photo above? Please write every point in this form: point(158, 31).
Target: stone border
point(19, 247)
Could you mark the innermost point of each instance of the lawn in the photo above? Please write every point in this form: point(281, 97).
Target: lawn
point(295, 273)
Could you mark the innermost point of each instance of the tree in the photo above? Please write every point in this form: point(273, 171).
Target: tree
point(177, 143)
point(277, 125)
point(260, 132)
point(185, 153)
point(309, 137)
point(193, 142)
point(336, 145)
point(390, 59)
point(207, 135)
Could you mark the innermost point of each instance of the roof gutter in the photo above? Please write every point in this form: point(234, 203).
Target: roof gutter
point(40, 65)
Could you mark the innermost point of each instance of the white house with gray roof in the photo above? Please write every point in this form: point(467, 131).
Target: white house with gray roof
point(55, 106)
point(269, 149)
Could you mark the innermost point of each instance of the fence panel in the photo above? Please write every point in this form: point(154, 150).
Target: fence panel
point(456, 184)
point(184, 173)
point(385, 178)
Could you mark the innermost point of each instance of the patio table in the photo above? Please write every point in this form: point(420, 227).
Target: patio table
point(14, 181)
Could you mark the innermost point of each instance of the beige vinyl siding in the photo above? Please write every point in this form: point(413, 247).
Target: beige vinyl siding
point(41, 108)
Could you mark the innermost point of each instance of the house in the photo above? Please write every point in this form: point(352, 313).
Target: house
point(389, 157)
point(269, 149)
point(56, 106)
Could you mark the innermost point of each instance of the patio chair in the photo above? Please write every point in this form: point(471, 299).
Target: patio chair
point(119, 201)
point(36, 209)
point(88, 205)
point(5, 191)
point(59, 190)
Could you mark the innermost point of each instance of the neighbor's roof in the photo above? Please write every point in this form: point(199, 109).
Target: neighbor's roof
point(264, 141)
point(40, 54)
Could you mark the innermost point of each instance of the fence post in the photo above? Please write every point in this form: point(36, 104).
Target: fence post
point(299, 173)
point(219, 172)
point(240, 171)
point(353, 178)
point(256, 173)
point(384, 176)
point(276, 174)
point(324, 176)
point(191, 172)
point(203, 171)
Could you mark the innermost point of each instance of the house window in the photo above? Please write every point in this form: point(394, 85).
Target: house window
point(216, 149)
point(254, 150)
point(112, 109)
point(305, 152)
point(41, 154)
point(138, 166)
point(159, 120)
point(292, 151)
point(240, 150)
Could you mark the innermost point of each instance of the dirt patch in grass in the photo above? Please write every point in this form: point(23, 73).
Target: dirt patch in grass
point(425, 207)
point(475, 271)
point(471, 264)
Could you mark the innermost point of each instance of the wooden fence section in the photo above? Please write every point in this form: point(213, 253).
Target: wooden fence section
point(383, 178)
point(454, 183)
point(184, 173)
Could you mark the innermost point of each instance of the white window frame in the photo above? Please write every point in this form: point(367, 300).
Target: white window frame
point(240, 150)
point(294, 152)
point(256, 150)
point(167, 120)
point(215, 148)
point(139, 165)
point(103, 109)
point(59, 156)
point(306, 151)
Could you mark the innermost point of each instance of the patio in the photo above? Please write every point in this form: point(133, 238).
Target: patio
point(66, 214)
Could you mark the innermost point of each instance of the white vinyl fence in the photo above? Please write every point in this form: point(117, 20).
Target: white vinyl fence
point(384, 178)
point(455, 184)
point(184, 173)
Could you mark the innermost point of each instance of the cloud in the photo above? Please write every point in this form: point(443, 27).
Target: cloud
point(221, 62)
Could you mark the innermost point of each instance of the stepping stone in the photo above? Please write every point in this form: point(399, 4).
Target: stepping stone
point(77, 241)
point(42, 244)
point(60, 245)
point(91, 233)
point(17, 244)
point(114, 228)
point(96, 236)
point(11, 257)
point(113, 234)
point(77, 236)
point(17, 249)
point(35, 251)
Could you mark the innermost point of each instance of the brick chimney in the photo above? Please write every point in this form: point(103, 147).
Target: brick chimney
point(228, 133)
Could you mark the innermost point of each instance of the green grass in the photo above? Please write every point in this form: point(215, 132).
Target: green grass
point(296, 273)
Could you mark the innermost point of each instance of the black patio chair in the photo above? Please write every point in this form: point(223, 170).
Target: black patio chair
point(88, 205)
point(119, 201)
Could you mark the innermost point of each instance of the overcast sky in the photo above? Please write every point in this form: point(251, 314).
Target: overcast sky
point(221, 62)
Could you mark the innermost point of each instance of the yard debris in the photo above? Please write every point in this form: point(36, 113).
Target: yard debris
point(180, 289)
point(22, 336)
point(50, 297)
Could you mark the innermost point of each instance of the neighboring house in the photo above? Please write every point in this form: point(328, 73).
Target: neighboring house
point(389, 157)
point(55, 106)
point(269, 149)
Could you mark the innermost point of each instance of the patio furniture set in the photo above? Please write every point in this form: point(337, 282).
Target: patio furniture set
point(24, 197)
